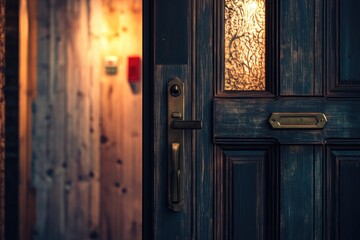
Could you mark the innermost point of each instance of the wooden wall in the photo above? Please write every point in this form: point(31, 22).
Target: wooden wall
point(27, 74)
point(86, 125)
point(121, 121)
point(2, 116)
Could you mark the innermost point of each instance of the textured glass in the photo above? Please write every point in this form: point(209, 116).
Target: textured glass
point(244, 45)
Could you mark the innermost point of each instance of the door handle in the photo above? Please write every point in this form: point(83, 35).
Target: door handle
point(176, 125)
point(177, 181)
point(186, 125)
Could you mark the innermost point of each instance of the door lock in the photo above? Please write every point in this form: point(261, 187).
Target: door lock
point(175, 90)
point(176, 126)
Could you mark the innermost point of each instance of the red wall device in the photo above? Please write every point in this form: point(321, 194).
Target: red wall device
point(134, 69)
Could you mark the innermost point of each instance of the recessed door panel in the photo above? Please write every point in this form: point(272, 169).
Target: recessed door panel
point(342, 50)
point(245, 188)
point(349, 42)
point(343, 181)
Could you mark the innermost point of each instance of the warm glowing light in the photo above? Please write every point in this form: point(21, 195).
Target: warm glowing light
point(244, 45)
point(116, 30)
point(251, 7)
point(111, 61)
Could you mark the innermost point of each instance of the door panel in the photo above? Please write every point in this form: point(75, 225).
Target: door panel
point(342, 49)
point(244, 176)
point(343, 196)
point(300, 34)
point(349, 42)
point(301, 179)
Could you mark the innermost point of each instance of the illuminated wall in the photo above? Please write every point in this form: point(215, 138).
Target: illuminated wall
point(85, 124)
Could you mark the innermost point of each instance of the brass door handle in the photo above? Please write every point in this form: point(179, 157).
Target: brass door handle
point(177, 182)
point(176, 125)
point(186, 125)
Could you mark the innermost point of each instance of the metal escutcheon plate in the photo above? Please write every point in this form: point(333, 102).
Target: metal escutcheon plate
point(298, 120)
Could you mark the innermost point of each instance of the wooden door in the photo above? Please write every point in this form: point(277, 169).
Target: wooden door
point(278, 155)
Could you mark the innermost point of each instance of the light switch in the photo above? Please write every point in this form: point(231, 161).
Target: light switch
point(111, 65)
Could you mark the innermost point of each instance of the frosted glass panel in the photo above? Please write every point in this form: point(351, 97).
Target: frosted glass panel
point(244, 45)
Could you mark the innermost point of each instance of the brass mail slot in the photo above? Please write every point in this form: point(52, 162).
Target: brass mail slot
point(298, 120)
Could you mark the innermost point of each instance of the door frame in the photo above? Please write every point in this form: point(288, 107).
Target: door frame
point(147, 154)
point(11, 92)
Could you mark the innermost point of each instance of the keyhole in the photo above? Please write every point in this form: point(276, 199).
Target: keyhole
point(175, 90)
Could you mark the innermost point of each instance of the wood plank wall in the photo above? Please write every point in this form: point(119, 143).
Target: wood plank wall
point(121, 126)
point(27, 74)
point(2, 117)
point(86, 125)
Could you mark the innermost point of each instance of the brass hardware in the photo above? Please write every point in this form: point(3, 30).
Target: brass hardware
point(176, 125)
point(175, 95)
point(186, 124)
point(177, 181)
point(175, 90)
point(298, 120)
point(176, 115)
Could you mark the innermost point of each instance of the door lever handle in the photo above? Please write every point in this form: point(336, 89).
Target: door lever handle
point(177, 182)
point(186, 125)
point(177, 175)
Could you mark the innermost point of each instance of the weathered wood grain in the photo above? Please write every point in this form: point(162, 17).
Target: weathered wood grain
point(121, 125)
point(87, 125)
point(65, 149)
point(167, 224)
point(195, 221)
point(308, 64)
point(249, 119)
point(202, 89)
point(82, 155)
point(178, 224)
point(299, 65)
point(301, 202)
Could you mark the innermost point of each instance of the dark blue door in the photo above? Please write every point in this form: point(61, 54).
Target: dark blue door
point(276, 85)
